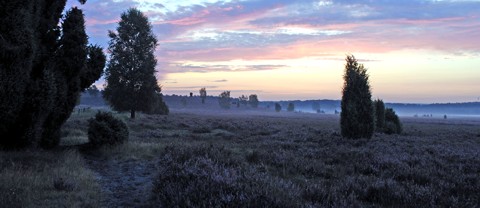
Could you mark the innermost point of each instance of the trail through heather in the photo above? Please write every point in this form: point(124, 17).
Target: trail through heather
point(123, 183)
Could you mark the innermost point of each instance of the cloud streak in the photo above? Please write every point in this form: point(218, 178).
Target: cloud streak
point(201, 31)
point(219, 80)
point(206, 68)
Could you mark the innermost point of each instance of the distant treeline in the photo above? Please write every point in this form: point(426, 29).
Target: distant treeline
point(404, 109)
point(470, 108)
point(328, 106)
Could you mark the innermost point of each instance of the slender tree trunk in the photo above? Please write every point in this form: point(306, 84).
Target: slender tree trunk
point(132, 114)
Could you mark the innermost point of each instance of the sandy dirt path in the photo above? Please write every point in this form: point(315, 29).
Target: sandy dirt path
point(123, 183)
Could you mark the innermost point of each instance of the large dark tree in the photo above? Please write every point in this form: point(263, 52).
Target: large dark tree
point(130, 74)
point(357, 116)
point(43, 69)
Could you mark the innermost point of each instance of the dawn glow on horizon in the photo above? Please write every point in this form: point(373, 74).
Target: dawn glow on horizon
point(416, 51)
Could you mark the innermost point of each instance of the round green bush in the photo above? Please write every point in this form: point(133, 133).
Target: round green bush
point(106, 129)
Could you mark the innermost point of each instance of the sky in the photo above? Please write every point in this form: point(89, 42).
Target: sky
point(416, 51)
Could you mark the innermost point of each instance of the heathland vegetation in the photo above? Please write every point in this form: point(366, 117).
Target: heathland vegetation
point(139, 154)
point(250, 158)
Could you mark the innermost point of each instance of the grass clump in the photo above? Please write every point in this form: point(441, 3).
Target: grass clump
point(47, 179)
point(106, 129)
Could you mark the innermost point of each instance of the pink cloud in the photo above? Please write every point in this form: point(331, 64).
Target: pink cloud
point(187, 21)
point(92, 21)
point(425, 21)
point(373, 36)
point(381, 41)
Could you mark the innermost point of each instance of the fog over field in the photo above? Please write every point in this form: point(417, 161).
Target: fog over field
point(437, 110)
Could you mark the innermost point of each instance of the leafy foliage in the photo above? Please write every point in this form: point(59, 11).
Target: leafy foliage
point(386, 120)
point(44, 68)
point(203, 94)
point(316, 106)
point(106, 129)
point(379, 114)
point(253, 100)
point(243, 100)
point(159, 107)
point(357, 116)
point(278, 107)
point(130, 74)
point(392, 122)
point(224, 100)
point(291, 107)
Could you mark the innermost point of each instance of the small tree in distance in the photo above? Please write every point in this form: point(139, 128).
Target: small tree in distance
point(253, 100)
point(278, 107)
point(291, 107)
point(316, 106)
point(203, 94)
point(357, 116)
point(224, 100)
point(243, 100)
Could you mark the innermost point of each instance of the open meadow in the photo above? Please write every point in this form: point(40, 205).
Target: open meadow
point(249, 158)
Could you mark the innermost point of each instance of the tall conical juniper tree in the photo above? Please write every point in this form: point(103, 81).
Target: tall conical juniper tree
point(130, 74)
point(357, 116)
point(44, 67)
